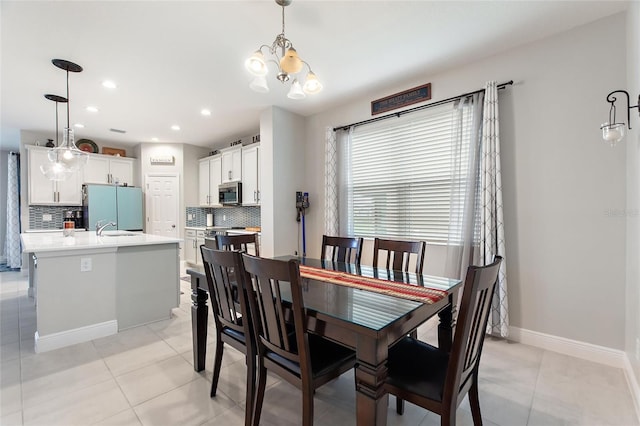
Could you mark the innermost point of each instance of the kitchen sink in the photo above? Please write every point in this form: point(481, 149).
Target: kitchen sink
point(119, 234)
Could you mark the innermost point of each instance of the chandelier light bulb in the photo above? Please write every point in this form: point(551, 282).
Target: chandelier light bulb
point(296, 91)
point(259, 84)
point(290, 62)
point(312, 85)
point(256, 65)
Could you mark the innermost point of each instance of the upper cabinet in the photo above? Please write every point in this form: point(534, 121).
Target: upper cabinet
point(110, 170)
point(232, 164)
point(43, 191)
point(251, 175)
point(210, 177)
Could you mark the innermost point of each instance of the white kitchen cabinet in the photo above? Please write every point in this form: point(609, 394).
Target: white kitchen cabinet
point(251, 175)
point(110, 170)
point(232, 164)
point(43, 191)
point(190, 246)
point(193, 239)
point(210, 177)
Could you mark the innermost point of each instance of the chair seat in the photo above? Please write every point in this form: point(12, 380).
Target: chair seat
point(325, 356)
point(418, 368)
point(236, 335)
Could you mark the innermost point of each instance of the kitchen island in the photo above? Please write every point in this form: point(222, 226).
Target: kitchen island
point(88, 286)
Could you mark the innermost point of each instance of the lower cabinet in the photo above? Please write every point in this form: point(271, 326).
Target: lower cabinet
point(193, 239)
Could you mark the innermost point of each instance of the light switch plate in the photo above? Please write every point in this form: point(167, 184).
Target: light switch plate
point(85, 264)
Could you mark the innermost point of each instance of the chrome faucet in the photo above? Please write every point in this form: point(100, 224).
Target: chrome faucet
point(100, 227)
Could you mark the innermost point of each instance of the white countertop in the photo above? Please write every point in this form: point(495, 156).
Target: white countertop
point(55, 241)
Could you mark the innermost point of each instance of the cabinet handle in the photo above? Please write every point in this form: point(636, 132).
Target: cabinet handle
point(255, 196)
point(230, 174)
point(258, 195)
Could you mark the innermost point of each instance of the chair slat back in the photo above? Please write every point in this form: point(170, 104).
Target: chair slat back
point(475, 305)
point(219, 268)
point(238, 242)
point(342, 249)
point(398, 254)
point(264, 278)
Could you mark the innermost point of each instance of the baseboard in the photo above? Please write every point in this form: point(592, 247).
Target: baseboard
point(634, 387)
point(588, 351)
point(77, 335)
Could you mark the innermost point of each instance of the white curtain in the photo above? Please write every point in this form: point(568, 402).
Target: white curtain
point(12, 247)
point(492, 229)
point(462, 244)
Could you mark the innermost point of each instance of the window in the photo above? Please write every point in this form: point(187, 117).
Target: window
point(404, 173)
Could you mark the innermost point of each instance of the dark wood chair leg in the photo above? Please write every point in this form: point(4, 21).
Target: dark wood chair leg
point(217, 363)
point(399, 405)
point(474, 402)
point(307, 406)
point(257, 403)
point(251, 389)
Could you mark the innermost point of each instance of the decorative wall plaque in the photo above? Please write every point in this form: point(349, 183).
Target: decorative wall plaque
point(399, 100)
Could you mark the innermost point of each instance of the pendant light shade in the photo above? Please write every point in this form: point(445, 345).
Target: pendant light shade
point(65, 158)
point(296, 91)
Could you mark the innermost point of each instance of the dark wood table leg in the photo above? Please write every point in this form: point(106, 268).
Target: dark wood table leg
point(445, 328)
point(371, 373)
point(199, 318)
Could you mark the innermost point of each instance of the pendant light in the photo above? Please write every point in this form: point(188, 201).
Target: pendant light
point(68, 153)
point(56, 170)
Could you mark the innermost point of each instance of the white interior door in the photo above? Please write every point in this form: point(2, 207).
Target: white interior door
point(162, 202)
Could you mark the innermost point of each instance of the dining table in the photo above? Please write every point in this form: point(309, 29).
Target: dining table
point(365, 308)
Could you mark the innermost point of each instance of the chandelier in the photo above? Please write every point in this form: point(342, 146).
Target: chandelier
point(66, 158)
point(288, 63)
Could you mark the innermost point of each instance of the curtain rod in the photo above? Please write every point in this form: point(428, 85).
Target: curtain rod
point(418, 108)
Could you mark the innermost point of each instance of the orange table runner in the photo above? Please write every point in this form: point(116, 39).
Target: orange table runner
point(393, 288)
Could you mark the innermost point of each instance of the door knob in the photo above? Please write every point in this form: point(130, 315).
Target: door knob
point(173, 226)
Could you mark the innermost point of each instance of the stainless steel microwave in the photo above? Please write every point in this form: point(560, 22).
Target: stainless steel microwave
point(230, 193)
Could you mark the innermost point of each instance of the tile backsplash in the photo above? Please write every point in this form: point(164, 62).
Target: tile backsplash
point(38, 214)
point(225, 216)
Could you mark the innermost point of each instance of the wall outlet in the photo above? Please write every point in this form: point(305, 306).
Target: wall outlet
point(85, 264)
point(190, 216)
point(46, 217)
point(224, 217)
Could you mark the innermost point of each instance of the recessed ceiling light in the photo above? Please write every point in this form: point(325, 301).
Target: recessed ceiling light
point(79, 125)
point(154, 139)
point(109, 84)
point(175, 127)
point(92, 109)
point(205, 112)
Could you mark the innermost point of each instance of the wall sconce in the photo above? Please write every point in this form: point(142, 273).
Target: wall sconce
point(613, 132)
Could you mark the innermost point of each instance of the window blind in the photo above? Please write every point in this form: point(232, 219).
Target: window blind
point(402, 173)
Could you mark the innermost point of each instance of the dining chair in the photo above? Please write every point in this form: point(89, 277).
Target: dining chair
point(438, 380)
point(398, 254)
point(305, 360)
point(240, 242)
point(232, 319)
point(342, 249)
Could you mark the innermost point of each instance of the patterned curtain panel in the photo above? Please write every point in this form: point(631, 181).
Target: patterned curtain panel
point(12, 247)
point(492, 230)
point(331, 224)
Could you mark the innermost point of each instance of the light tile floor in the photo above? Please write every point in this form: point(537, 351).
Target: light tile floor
point(144, 376)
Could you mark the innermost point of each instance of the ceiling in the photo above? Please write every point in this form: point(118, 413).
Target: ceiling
point(170, 59)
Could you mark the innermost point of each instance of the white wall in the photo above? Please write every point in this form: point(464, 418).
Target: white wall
point(282, 173)
point(565, 255)
point(632, 146)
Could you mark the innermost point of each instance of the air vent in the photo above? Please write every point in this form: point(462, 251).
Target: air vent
point(118, 131)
